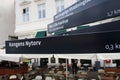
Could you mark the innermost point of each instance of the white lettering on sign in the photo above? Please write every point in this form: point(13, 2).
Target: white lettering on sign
point(69, 11)
point(23, 44)
point(113, 12)
point(111, 47)
point(32, 43)
point(16, 44)
point(52, 27)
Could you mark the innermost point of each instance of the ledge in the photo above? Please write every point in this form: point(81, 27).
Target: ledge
point(25, 2)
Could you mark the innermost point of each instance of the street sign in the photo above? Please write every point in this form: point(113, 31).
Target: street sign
point(104, 10)
point(108, 42)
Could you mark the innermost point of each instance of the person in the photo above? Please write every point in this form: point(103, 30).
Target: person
point(30, 66)
point(34, 65)
point(61, 66)
point(74, 66)
point(70, 68)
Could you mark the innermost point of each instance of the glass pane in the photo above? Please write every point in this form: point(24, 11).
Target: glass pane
point(26, 14)
point(59, 5)
point(41, 11)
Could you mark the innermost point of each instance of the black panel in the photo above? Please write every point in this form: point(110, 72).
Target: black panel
point(85, 61)
point(107, 27)
point(77, 7)
point(107, 9)
point(108, 42)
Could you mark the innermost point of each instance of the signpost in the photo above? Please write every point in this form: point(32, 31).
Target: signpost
point(77, 8)
point(106, 27)
point(102, 38)
point(108, 42)
point(103, 10)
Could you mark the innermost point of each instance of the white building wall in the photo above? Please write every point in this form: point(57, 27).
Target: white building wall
point(29, 29)
point(7, 20)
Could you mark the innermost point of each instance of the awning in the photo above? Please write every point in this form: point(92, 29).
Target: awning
point(9, 57)
point(40, 34)
point(64, 31)
point(82, 27)
point(60, 32)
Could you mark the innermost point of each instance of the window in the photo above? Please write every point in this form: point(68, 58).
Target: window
point(117, 62)
point(85, 61)
point(26, 14)
point(59, 5)
point(62, 60)
point(43, 62)
point(41, 11)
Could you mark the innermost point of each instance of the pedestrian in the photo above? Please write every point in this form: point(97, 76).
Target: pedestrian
point(74, 66)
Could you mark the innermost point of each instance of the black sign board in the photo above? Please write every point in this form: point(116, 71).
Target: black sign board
point(108, 42)
point(79, 6)
point(104, 10)
point(106, 27)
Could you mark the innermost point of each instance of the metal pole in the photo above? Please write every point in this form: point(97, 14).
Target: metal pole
point(66, 69)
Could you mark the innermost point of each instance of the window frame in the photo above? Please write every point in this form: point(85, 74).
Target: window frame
point(25, 13)
point(59, 5)
point(42, 11)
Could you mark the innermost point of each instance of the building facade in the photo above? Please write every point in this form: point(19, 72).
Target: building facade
point(7, 21)
point(34, 15)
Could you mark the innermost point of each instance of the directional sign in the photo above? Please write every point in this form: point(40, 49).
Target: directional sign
point(103, 10)
point(108, 42)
